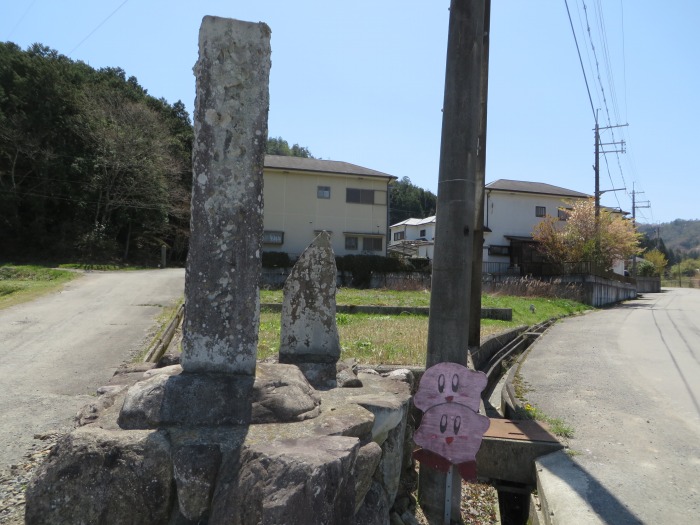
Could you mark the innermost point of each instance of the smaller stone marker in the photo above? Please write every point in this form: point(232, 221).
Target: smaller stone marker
point(309, 335)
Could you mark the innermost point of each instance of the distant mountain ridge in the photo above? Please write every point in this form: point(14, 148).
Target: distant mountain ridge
point(679, 235)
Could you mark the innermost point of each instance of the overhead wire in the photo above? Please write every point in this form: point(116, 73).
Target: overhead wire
point(98, 27)
point(21, 19)
point(604, 97)
point(600, 64)
point(583, 69)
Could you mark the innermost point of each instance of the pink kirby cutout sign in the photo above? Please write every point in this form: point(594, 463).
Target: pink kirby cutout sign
point(451, 430)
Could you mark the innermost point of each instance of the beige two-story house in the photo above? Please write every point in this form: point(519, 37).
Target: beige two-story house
point(303, 197)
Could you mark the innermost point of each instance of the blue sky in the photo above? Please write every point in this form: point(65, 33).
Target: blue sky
point(363, 81)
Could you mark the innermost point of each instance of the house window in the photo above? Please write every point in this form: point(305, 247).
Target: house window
point(359, 196)
point(540, 211)
point(323, 192)
point(372, 244)
point(421, 233)
point(499, 250)
point(399, 236)
point(563, 214)
point(271, 237)
point(351, 243)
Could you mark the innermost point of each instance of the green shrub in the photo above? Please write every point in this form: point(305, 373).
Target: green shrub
point(276, 260)
point(646, 269)
point(362, 266)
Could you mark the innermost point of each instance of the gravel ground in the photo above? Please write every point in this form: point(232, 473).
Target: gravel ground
point(479, 505)
point(13, 481)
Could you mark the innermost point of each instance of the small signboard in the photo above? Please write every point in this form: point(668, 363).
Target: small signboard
point(451, 430)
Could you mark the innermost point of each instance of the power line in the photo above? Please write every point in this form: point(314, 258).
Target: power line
point(21, 18)
point(624, 57)
point(98, 26)
point(600, 24)
point(578, 50)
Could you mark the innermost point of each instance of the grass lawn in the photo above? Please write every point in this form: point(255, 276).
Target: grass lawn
point(19, 284)
point(402, 339)
point(104, 267)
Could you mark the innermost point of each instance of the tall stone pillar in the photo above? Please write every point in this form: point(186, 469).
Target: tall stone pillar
point(222, 306)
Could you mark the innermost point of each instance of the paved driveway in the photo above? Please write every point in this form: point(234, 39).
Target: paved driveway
point(628, 380)
point(56, 351)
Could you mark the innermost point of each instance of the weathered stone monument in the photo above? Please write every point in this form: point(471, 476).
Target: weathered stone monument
point(230, 118)
point(221, 438)
point(222, 307)
point(309, 335)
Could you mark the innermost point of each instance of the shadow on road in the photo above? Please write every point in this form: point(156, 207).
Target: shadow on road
point(587, 488)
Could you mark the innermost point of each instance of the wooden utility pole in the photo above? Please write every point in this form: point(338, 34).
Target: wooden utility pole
point(456, 221)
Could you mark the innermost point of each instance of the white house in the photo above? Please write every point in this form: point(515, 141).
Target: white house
point(303, 197)
point(413, 237)
point(511, 210)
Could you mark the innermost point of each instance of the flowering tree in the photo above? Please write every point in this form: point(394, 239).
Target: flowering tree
point(578, 239)
point(658, 261)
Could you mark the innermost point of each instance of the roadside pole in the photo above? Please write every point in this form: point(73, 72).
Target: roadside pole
point(475, 308)
point(453, 262)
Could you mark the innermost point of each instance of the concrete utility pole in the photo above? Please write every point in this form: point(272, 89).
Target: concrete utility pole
point(596, 169)
point(456, 220)
point(475, 307)
point(596, 166)
point(635, 205)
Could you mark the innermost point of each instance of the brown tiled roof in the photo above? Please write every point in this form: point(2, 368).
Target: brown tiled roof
point(283, 162)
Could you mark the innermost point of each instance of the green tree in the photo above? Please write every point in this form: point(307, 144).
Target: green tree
point(88, 159)
point(131, 168)
point(279, 146)
point(409, 201)
point(657, 260)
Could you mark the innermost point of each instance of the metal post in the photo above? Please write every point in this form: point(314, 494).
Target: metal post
point(448, 495)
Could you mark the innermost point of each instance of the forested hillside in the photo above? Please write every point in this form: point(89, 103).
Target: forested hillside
point(680, 238)
point(91, 165)
point(94, 168)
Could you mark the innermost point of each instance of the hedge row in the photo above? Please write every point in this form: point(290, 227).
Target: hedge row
point(360, 266)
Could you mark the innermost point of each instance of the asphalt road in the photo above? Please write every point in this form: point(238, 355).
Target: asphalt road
point(56, 351)
point(627, 379)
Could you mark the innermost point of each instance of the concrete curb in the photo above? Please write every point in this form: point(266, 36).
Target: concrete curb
point(563, 488)
point(499, 314)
